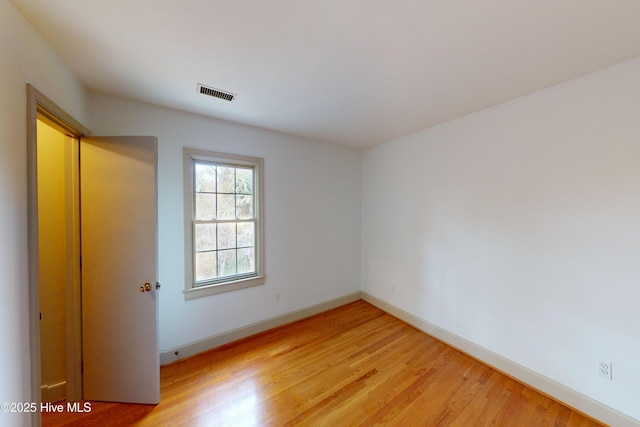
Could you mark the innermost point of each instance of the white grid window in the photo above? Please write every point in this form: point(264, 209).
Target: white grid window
point(224, 231)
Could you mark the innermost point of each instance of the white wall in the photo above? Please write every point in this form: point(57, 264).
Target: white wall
point(518, 228)
point(312, 212)
point(24, 57)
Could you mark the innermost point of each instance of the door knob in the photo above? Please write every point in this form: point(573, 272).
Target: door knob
point(146, 287)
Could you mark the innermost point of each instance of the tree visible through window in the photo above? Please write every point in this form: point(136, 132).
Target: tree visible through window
point(224, 217)
point(224, 226)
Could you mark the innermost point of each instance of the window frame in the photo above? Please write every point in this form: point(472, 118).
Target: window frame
point(231, 283)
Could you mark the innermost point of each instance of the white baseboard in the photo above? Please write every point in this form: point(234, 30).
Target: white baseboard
point(59, 384)
point(193, 348)
point(54, 392)
point(545, 385)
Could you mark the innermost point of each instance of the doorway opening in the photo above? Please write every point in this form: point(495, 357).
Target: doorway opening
point(56, 185)
point(54, 250)
point(59, 263)
point(104, 233)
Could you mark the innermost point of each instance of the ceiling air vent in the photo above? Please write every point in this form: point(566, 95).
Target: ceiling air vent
point(216, 93)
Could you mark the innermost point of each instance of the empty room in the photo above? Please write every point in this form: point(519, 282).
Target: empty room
point(320, 213)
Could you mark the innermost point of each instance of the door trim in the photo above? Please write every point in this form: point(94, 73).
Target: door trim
point(38, 105)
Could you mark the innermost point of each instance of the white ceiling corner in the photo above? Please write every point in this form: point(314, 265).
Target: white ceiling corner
point(351, 72)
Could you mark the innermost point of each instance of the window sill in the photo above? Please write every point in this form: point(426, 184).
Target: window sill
point(203, 291)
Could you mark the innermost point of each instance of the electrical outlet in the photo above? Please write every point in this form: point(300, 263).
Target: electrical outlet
point(605, 369)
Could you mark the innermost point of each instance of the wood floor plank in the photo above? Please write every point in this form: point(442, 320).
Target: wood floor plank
point(351, 366)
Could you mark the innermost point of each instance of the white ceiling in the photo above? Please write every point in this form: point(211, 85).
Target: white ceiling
point(352, 72)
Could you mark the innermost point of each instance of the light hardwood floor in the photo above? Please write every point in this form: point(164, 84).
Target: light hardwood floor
point(351, 366)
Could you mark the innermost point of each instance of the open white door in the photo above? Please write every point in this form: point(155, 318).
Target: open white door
point(118, 199)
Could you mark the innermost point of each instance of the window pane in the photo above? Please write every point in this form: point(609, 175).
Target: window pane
point(246, 261)
point(246, 234)
point(205, 237)
point(244, 207)
point(226, 206)
point(226, 180)
point(205, 206)
point(227, 262)
point(205, 178)
point(223, 223)
point(244, 181)
point(226, 236)
point(205, 266)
